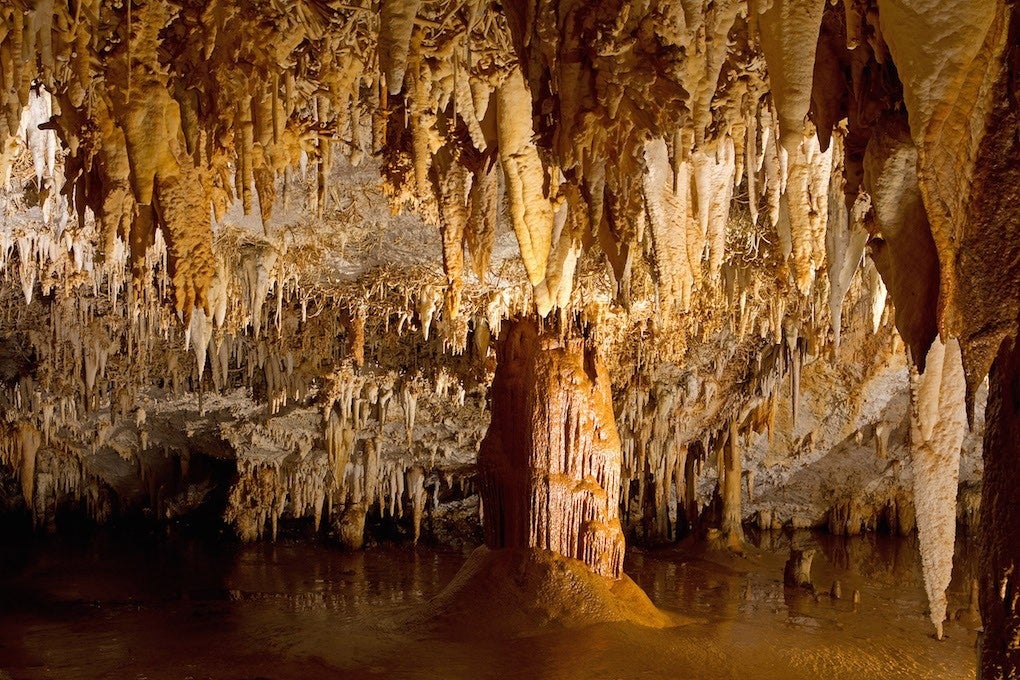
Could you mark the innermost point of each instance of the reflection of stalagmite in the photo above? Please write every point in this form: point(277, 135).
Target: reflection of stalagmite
point(797, 572)
point(938, 423)
point(550, 462)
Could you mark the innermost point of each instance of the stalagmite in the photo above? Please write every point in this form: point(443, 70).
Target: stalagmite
point(732, 519)
point(545, 487)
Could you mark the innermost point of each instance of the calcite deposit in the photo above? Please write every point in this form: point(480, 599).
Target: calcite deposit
point(549, 465)
point(573, 271)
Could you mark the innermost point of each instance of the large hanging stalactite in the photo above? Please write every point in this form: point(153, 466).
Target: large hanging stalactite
point(986, 257)
point(550, 461)
point(947, 89)
point(162, 172)
point(901, 243)
point(789, 38)
point(530, 208)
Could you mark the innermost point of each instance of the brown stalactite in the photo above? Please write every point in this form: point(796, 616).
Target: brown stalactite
point(986, 258)
point(947, 91)
point(550, 461)
point(483, 206)
point(396, 24)
point(901, 244)
point(449, 179)
point(829, 84)
point(999, 650)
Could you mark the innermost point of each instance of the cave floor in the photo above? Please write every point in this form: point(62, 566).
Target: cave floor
point(108, 607)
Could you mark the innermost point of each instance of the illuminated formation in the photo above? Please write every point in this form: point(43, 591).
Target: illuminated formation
point(305, 239)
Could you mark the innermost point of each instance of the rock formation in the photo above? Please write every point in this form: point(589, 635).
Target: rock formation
point(234, 238)
point(549, 465)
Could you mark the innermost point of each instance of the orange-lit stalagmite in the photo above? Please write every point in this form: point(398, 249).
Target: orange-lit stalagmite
point(550, 462)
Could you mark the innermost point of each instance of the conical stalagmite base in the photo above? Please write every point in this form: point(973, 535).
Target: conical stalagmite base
point(550, 472)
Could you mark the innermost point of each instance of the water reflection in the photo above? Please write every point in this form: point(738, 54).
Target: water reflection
point(109, 607)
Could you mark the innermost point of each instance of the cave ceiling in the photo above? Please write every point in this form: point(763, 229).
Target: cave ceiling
point(688, 174)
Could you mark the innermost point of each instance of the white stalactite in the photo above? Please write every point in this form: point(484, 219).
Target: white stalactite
point(938, 423)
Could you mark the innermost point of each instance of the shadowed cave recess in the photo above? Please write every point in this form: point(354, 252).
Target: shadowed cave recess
point(653, 336)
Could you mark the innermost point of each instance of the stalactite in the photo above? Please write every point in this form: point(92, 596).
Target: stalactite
point(806, 200)
point(480, 230)
point(788, 31)
point(416, 490)
point(396, 24)
point(530, 208)
point(937, 427)
point(845, 240)
point(961, 47)
point(30, 442)
point(901, 244)
point(669, 214)
point(450, 179)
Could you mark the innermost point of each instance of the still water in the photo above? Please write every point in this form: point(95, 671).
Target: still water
point(109, 607)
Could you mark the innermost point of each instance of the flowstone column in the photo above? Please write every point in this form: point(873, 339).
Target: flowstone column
point(732, 528)
point(550, 461)
point(1000, 520)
